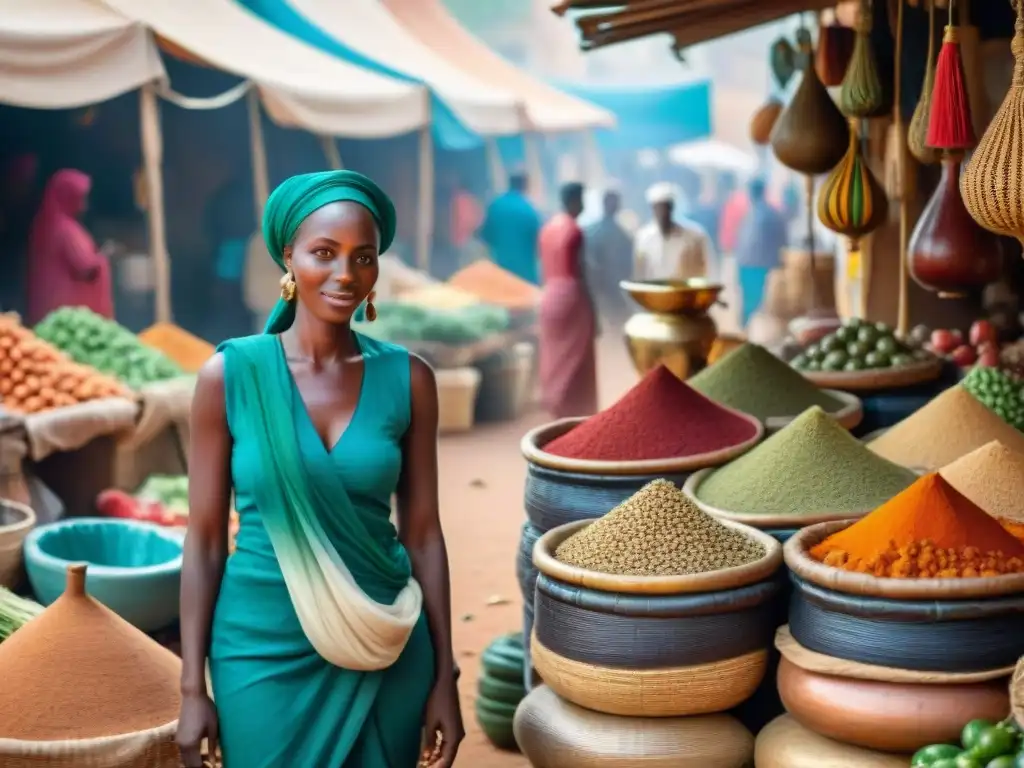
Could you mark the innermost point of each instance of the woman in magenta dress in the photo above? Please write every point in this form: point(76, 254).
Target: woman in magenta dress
point(64, 266)
point(568, 325)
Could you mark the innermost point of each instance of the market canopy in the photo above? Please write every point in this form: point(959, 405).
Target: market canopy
point(63, 54)
point(548, 109)
point(301, 86)
point(363, 33)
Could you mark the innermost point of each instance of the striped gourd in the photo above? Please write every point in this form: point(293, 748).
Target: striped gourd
point(852, 202)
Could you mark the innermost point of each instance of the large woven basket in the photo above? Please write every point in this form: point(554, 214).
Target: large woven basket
point(154, 748)
point(16, 520)
point(554, 733)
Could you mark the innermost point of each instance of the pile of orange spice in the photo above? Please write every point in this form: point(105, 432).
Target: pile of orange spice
point(928, 531)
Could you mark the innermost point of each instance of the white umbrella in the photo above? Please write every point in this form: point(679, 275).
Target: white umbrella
point(713, 155)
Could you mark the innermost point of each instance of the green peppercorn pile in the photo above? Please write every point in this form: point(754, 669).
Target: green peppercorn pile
point(1000, 391)
point(658, 531)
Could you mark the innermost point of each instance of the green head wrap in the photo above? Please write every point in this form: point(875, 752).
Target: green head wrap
point(298, 197)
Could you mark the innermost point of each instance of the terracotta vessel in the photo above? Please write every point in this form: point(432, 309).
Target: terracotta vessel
point(948, 251)
point(892, 717)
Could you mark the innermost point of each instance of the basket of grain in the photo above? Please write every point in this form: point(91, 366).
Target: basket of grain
point(85, 689)
point(656, 609)
point(811, 471)
point(456, 398)
point(554, 733)
point(16, 520)
point(928, 581)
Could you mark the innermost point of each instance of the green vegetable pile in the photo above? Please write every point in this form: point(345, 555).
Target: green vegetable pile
point(982, 745)
point(858, 345)
point(15, 612)
point(406, 322)
point(92, 340)
point(170, 491)
point(1000, 391)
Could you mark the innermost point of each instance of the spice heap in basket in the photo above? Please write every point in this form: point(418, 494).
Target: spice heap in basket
point(811, 468)
point(993, 478)
point(35, 376)
point(660, 418)
point(658, 532)
point(930, 530)
point(187, 351)
point(753, 380)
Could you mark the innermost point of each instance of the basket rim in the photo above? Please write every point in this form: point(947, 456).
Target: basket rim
point(849, 416)
point(16, 747)
point(872, 379)
point(764, 522)
point(25, 524)
point(725, 578)
point(531, 443)
point(847, 582)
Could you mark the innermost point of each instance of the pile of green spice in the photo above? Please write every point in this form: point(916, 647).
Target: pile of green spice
point(658, 531)
point(751, 379)
point(811, 466)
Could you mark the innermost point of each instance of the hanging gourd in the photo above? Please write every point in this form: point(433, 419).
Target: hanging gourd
point(852, 202)
point(811, 135)
point(763, 121)
point(861, 94)
point(948, 252)
point(782, 60)
point(917, 131)
point(993, 181)
point(835, 48)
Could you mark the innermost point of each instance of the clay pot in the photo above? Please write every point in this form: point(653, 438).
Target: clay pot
point(892, 717)
point(811, 135)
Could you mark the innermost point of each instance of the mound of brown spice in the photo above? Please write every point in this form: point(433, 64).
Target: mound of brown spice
point(660, 418)
point(658, 531)
point(950, 426)
point(993, 478)
point(80, 671)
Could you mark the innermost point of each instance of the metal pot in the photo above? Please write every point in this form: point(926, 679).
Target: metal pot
point(675, 329)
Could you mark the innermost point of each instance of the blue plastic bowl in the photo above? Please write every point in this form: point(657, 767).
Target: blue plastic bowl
point(134, 568)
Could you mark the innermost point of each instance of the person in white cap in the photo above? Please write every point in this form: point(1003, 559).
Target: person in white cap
point(670, 249)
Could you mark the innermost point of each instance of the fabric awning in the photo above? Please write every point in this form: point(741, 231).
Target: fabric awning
point(63, 54)
point(301, 86)
point(366, 29)
point(548, 109)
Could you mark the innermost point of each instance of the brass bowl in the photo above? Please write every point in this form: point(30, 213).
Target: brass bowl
point(694, 296)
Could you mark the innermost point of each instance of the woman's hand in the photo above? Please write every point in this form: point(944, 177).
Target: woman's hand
point(444, 715)
point(198, 720)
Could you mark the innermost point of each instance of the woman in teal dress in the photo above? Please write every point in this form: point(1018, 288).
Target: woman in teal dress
point(328, 631)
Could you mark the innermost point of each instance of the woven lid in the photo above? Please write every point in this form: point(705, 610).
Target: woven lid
point(80, 671)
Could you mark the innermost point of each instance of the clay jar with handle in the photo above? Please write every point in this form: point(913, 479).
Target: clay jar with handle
point(948, 251)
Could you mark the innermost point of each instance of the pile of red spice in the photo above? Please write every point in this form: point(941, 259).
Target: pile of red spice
point(659, 418)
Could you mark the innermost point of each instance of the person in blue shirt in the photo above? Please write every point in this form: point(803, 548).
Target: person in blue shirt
point(510, 229)
point(762, 236)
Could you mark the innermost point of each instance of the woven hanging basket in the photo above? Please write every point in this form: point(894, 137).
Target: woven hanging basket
point(852, 202)
point(992, 183)
point(861, 94)
point(917, 131)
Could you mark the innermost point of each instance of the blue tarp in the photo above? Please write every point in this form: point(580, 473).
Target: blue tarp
point(449, 132)
point(650, 118)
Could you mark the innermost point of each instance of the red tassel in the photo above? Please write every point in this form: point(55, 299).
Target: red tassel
point(949, 125)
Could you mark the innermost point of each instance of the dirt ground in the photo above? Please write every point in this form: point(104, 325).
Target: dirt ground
point(482, 476)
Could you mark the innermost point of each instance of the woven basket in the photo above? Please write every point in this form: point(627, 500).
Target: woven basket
point(16, 520)
point(784, 743)
point(554, 733)
point(534, 441)
point(809, 569)
point(456, 398)
point(887, 716)
point(1017, 693)
point(712, 581)
point(876, 379)
point(154, 748)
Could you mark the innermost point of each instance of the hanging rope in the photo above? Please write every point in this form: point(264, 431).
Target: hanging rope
point(219, 101)
point(903, 300)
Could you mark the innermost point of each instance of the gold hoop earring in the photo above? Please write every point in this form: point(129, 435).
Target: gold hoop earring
point(371, 311)
point(288, 287)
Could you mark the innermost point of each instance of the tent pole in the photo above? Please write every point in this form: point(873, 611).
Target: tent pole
point(152, 158)
point(499, 179)
point(330, 147)
point(260, 176)
point(595, 172)
point(425, 233)
point(535, 168)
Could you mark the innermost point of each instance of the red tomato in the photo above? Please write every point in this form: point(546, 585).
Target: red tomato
point(964, 356)
point(944, 342)
point(982, 331)
point(989, 357)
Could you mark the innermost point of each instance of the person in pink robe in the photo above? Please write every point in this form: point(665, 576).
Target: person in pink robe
point(65, 268)
point(567, 322)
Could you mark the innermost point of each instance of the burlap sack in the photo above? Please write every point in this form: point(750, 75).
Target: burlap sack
point(70, 428)
point(159, 442)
